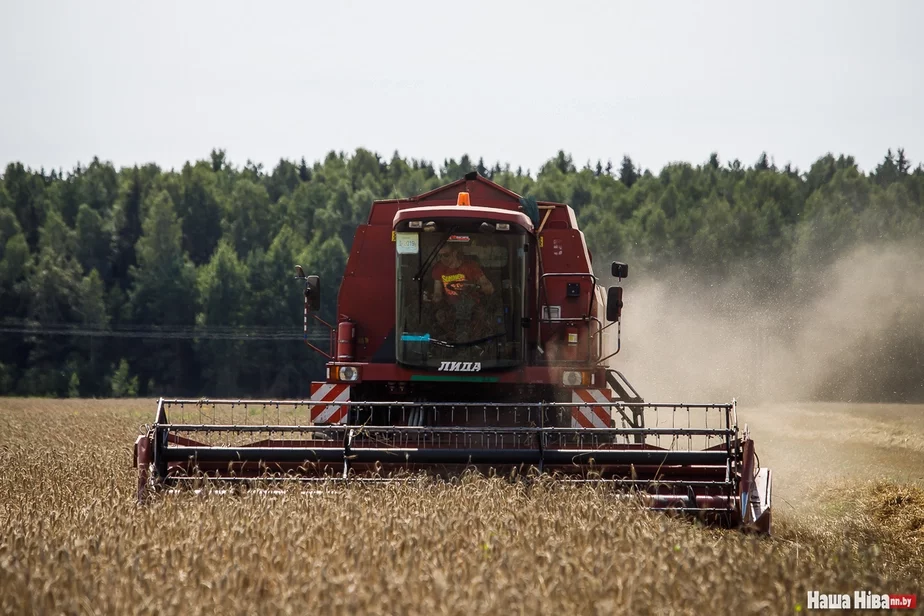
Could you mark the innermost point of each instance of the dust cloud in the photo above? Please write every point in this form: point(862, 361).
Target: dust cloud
point(850, 331)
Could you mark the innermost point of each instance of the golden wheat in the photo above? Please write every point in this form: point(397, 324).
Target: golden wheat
point(75, 542)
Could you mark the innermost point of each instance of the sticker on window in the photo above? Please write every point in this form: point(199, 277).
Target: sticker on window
point(459, 238)
point(407, 243)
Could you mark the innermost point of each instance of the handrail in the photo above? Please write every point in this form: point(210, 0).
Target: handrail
point(445, 429)
point(330, 336)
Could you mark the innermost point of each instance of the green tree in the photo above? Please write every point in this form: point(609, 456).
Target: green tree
point(123, 384)
point(299, 208)
point(9, 226)
point(763, 163)
point(277, 367)
point(50, 285)
point(627, 172)
point(73, 386)
point(563, 162)
point(201, 212)
point(248, 220)
point(13, 268)
point(99, 186)
point(91, 352)
point(283, 180)
point(224, 301)
point(126, 224)
point(92, 240)
point(163, 294)
point(25, 191)
point(902, 163)
point(708, 244)
point(888, 170)
point(218, 160)
point(53, 278)
point(304, 173)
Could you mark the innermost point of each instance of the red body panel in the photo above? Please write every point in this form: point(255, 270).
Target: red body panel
point(367, 293)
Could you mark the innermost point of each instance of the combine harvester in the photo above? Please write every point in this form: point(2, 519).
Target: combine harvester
point(471, 333)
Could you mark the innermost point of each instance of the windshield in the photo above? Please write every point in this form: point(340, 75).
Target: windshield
point(460, 296)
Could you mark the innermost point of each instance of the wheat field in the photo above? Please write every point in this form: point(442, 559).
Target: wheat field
point(74, 541)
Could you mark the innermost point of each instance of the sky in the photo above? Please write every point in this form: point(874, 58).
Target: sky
point(512, 82)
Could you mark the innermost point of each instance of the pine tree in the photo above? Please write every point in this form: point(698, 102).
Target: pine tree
point(887, 171)
point(218, 160)
point(903, 164)
point(563, 162)
point(627, 172)
point(126, 227)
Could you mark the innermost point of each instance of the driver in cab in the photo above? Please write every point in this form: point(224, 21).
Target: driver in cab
point(459, 290)
point(455, 277)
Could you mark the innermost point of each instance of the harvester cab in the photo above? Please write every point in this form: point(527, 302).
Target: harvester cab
point(471, 332)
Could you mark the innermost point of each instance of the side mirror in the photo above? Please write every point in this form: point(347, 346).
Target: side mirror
point(620, 270)
point(313, 292)
point(614, 302)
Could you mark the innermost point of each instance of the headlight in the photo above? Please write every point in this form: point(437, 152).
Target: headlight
point(349, 373)
point(571, 378)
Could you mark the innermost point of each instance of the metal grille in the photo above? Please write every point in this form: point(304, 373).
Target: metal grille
point(686, 457)
point(236, 423)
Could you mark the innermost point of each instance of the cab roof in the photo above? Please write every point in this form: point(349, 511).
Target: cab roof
point(484, 194)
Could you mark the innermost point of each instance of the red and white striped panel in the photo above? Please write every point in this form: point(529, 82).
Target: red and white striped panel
point(329, 413)
point(590, 416)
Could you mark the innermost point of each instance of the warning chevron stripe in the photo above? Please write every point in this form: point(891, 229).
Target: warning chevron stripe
point(590, 416)
point(329, 413)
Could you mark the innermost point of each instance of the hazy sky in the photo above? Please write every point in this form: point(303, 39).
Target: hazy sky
point(134, 82)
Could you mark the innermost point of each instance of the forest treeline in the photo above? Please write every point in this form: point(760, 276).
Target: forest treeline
point(143, 281)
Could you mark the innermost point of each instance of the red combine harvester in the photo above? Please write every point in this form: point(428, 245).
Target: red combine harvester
point(471, 333)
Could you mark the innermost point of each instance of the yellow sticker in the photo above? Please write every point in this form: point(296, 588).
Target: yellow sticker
point(541, 241)
point(393, 236)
